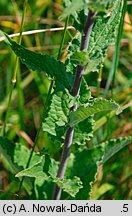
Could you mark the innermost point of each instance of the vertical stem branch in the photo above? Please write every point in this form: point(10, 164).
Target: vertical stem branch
point(75, 92)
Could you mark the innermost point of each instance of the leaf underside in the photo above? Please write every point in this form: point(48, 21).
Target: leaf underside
point(96, 105)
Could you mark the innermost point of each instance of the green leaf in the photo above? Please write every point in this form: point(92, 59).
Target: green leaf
point(85, 93)
point(35, 171)
point(56, 121)
point(102, 35)
point(83, 131)
point(80, 57)
point(38, 62)
point(21, 156)
point(84, 165)
point(58, 113)
point(9, 152)
point(70, 64)
point(43, 189)
point(113, 146)
point(7, 149)
point(70, 186)
point(45, 171)
point(44, 168)
point(96, 105)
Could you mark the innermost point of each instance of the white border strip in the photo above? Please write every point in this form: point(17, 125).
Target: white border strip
point(66, 207)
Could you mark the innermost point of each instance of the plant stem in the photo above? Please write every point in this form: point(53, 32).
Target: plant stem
point(21, 100)
point(6, 116)
point(63, 38)
point(99, 81)
point(30, 156)
point(120, 30)
point(75, 92)
point(15, 70)
point(46, 105)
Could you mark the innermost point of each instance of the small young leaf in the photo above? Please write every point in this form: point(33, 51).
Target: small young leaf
point(38, 62)
point(97, 105)
point(80, 57)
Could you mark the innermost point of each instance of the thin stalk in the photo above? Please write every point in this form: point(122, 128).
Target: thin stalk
point(20, 40)
point(25, 82)
point(112, 74)
point(46, 105)
point(75, 92)
point(8, 105)
point(30, 157)
point(21, 100)
point(63, 38)
point(109, 80)
point(99, 81)
point(15, 70)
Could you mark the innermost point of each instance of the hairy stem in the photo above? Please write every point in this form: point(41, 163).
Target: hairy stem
point(75, 93)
